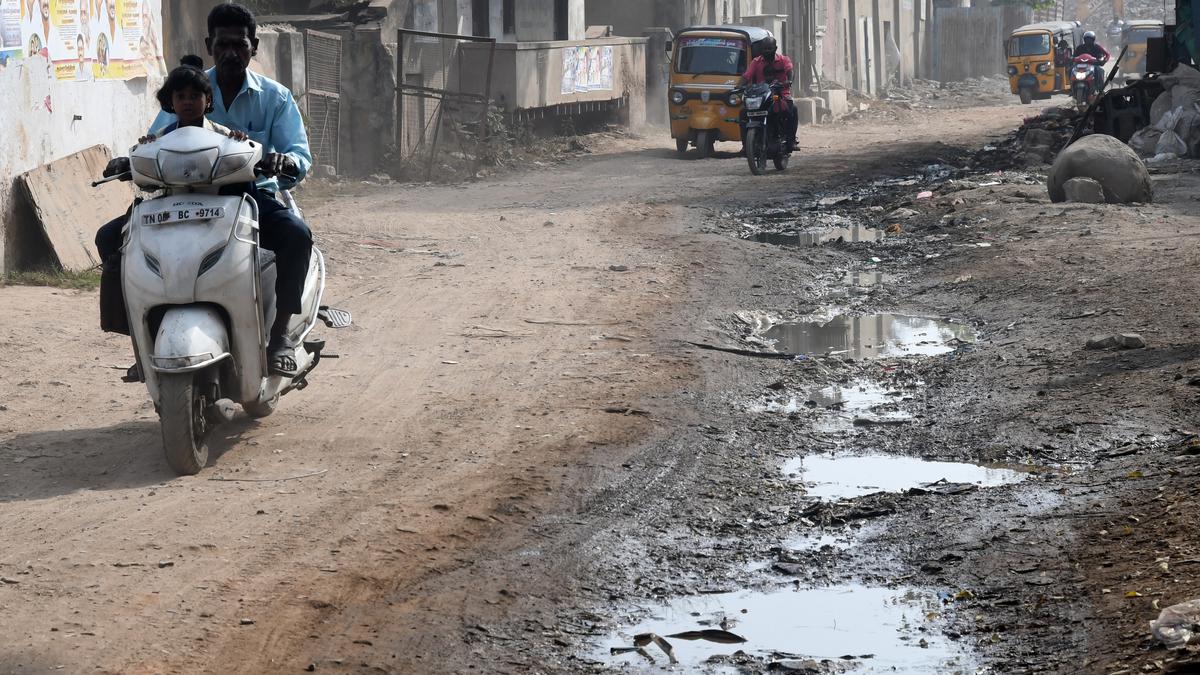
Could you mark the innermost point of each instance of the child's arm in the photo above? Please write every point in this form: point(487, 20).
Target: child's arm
point(232, 133)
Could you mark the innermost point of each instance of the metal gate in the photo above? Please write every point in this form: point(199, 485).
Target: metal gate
point(443, 95)
point(323, 101)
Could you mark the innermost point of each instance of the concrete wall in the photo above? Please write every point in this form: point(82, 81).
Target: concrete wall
point(529, 74)
point(45, 120)
point(368, 96)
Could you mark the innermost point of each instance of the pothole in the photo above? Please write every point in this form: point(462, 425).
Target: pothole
point(853, 234)
point(848, 476)
point(870, 336)
point(870, 629)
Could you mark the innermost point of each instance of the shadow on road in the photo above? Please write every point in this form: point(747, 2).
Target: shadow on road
point(47, 464)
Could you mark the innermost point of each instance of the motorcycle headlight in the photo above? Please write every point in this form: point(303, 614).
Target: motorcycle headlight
point(147, 166)
point(734, 99)
point(753, 102)
point(677, 97)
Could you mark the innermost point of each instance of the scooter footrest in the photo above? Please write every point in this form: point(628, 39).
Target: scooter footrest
point(335, 318)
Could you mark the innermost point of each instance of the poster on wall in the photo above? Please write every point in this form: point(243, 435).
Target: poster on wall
point(93, 39)
point(587, 69)
point(11, 48)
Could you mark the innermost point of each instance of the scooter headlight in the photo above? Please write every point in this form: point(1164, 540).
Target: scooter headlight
point(147, 166)
point(231, 164)
point(734, 99)
point(677, 97)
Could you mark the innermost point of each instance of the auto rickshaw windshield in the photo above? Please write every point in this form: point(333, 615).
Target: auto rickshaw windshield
point(1029, 45)
point(1139, 36)
point(710, 56)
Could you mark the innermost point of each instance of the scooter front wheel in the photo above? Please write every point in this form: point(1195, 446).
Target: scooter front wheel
point(183, 425)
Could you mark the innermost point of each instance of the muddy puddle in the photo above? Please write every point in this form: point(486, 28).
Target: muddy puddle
point(859, 403)
point(865, 279)
point(853, 234)
point(847, 476)
point(871, 336)
point(866, 629)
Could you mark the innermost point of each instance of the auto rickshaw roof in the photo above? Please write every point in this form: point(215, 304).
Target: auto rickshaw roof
point(755, 33)
point(1048, 26)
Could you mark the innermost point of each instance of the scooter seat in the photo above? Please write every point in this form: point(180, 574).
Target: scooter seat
point(266, 258)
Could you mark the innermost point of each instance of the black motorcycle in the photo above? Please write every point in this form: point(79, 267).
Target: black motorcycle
point(764, 127)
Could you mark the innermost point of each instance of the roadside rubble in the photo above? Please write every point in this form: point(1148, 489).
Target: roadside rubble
point(1174, 129)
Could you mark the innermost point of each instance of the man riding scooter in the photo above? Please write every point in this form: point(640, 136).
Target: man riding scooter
point(266, 111)
point(768, 67)
point(1093, 49)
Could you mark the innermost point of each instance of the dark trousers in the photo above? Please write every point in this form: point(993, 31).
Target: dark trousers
point(279, 230)
point(792, 124)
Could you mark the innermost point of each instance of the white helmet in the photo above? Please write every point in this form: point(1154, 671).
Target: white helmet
point(1090, 35)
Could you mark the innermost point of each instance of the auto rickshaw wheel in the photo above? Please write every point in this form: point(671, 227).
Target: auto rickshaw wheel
point(705, 143)
point(681, 145)
point(1026, 95)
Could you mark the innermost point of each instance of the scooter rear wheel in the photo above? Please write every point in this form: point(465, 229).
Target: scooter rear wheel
point(183, 424)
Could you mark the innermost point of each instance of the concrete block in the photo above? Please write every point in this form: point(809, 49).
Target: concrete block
point(806, 110)
point(835, 100)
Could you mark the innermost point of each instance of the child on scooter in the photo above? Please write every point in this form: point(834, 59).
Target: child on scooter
point(188, 94)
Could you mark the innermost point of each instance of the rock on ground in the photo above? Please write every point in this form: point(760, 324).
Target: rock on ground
point(1084, 191)
point(1106, 160)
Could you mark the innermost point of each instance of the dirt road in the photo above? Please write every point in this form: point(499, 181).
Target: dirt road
point(514, 396)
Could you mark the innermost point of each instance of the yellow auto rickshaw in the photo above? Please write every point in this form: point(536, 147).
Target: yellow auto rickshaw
point(1133, 38)
point(1039, 58)
point(707, 63)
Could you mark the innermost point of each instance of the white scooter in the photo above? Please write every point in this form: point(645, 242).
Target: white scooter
point(200, 292)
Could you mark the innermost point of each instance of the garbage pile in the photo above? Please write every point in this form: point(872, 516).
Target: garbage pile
point(1036, 143)
point(1174, 129)
point(972, 91)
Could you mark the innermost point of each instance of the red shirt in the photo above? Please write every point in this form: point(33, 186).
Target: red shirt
point(780, 70)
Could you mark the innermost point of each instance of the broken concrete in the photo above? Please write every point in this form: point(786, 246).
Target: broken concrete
point(1084, 191)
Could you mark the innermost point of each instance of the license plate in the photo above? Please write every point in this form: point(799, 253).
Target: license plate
point(183, 215)
point(757, 113)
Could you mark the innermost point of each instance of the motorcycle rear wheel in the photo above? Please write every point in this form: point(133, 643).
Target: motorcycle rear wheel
point(754, 151)
point(183, 424)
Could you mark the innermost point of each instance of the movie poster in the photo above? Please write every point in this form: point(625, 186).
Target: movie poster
point(94, 39)
point(11, 48)
point(587, 69)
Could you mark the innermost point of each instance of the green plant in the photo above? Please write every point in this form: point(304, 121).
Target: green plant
point(87, 280)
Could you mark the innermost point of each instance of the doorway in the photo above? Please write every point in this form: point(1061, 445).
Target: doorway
point(562, 29)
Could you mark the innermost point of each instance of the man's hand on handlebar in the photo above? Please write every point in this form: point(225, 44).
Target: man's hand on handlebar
point(276, 164)
point(116, 166)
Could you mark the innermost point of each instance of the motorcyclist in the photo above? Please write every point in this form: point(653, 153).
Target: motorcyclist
point(1093, 48)
point(771, 66)
point(267, 112)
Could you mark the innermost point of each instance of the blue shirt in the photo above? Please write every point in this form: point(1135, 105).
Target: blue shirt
point(267, 112)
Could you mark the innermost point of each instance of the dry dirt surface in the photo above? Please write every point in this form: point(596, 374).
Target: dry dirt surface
point(516, 418)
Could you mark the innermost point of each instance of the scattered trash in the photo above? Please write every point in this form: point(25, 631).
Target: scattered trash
point(1122, 341)
point(853, 234)
point(1177, 625)
point(711, 635)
